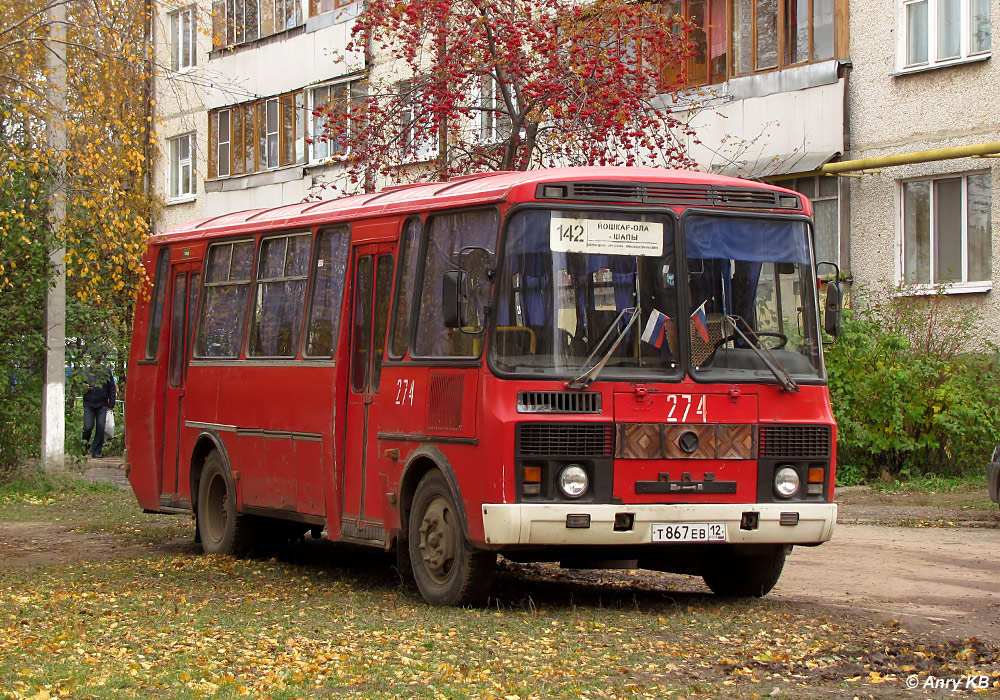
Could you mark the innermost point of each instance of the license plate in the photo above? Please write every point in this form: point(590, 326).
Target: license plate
point(689, 532)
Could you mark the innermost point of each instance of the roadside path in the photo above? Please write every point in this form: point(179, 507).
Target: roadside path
point(946, 579)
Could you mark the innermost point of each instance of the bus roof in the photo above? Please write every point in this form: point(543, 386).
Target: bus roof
point(483, 188)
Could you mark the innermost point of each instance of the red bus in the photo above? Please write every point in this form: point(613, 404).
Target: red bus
point(580, 365)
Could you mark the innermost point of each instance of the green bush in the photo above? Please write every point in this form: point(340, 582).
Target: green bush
point(914, 390)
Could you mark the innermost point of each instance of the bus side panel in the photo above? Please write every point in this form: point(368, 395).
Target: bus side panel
point(282, 416)
point(199, 407)
point(144, 401)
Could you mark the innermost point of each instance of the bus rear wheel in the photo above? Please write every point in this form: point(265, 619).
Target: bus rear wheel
point(447, 570)
point(743, 575)
point(222, 529)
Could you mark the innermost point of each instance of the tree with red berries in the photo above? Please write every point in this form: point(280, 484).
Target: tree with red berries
point(462, 86)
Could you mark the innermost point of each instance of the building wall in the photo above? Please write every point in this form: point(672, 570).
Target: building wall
point(178, 109)
point(298, 59)
point(893, 112)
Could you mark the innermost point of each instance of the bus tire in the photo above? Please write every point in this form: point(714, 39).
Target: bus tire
point(446, 569)
point(742, 575)
point(223, 530)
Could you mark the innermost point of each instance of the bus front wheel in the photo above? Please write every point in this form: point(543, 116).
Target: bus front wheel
point(744, 575)
point(447, 570)
point(222, 529)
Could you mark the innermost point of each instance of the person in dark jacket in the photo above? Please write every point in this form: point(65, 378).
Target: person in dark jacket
point(97, 400)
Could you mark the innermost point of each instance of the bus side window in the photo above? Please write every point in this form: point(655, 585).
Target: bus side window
point(159, 293)
point(329, 269)
point(280, 296)
point(449, 234)
point(383, 289)
point(405, 287)
point(175, 370)
point(224, 299)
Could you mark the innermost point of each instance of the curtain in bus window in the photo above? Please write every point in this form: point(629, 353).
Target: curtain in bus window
point(758, 240)
point(280, 298)
point(327, 294)
point(448, 236)
point(226, 290)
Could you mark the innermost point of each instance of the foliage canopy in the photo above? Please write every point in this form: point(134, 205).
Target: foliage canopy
point(472, 86)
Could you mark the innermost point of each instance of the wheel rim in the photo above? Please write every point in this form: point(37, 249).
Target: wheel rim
point(216, 511)
point(438, 539)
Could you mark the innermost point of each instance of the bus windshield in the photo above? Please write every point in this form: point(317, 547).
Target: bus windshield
point(752, 299)
point(580, 286)
point(570, 284)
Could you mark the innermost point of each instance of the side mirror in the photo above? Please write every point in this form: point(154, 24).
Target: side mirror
point(834, 308)
point(834, 305)
point(454, 298)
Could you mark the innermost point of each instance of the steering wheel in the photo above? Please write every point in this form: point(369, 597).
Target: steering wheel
point(771, 334)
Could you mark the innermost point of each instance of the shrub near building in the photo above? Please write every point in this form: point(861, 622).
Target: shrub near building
point(915, 390)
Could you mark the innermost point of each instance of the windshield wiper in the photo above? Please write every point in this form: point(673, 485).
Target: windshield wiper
point(588, 375)
point(769, 360)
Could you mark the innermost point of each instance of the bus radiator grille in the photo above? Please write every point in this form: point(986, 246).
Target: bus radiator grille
point(794, 441)
point(566, 439)
point(558, 402)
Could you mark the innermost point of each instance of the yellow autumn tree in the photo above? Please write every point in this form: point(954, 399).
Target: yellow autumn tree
point(106, 166)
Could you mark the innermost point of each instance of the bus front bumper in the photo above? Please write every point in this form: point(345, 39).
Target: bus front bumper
point(563, 523)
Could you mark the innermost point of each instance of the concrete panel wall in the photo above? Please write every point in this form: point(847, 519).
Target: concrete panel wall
point(894, 113)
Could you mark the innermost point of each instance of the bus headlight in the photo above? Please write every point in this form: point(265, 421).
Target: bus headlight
point(573, 481)
point(786, 482)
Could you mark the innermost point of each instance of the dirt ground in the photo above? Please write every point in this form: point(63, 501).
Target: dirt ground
point(931, 561)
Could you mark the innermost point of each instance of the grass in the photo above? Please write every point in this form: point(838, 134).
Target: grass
point(932, 484)
point(160, 620)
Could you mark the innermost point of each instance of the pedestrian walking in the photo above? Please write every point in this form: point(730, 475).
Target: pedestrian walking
point(97, 401)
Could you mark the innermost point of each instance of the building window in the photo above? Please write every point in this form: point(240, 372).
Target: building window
point(240, 21)
point(491, 122)
point(709, 35)
point(318, 7)
point(944, 31)
point(418, 136)
point(331, 139)
point(181, 164)
point(822, 191)
point(772, 34)
point(946, 232)
point(182, 40)
point(257, 136)
point(287, 14)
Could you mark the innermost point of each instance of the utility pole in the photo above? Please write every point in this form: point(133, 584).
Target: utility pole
point(54, 397)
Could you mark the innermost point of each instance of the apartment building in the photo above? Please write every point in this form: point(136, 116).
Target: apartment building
point(923, 79)
point(777, 90)
point(234, 95)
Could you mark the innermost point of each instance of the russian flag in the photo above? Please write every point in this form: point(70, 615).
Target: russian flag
point(700, 322)
point(656, 327)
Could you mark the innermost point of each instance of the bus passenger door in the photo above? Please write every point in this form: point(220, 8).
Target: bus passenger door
point(372, 288)
point(183, 306)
